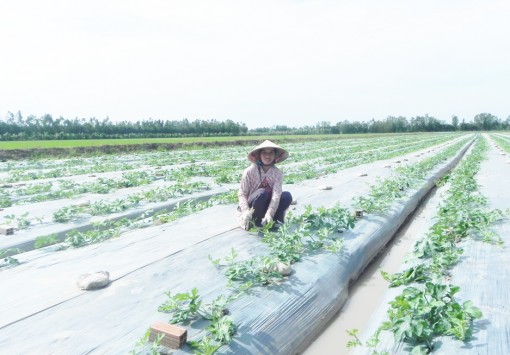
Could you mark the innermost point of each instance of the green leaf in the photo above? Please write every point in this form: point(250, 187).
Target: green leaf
point(471, 310)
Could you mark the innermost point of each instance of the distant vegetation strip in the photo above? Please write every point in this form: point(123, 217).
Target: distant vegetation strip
point(100, 142)
point(31, 128)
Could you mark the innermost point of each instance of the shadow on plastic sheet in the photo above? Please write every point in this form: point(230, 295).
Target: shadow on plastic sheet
point(246, 343)
point(450, 346)
point(370, 223)
point(242, 342)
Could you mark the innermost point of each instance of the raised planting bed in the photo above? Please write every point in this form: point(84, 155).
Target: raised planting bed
point(473, 316)
point(280, 318)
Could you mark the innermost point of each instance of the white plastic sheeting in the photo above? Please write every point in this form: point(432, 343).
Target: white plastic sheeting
point(24, 239)
point(483, 275)
point(484, 272)
point(44, 312)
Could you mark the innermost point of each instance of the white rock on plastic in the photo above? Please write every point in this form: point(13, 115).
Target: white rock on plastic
point(93, 281)
point(284, 269)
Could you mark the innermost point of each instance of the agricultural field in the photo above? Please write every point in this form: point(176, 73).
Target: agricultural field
point(163, 225)
point(8, 145)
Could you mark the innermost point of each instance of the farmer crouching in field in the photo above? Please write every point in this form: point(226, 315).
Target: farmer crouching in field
point(261, 200)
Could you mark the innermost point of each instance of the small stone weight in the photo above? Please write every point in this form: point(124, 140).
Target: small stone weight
point(285, 269)
point(93, 281)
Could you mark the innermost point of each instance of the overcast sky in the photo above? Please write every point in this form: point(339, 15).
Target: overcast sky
point(259, 62)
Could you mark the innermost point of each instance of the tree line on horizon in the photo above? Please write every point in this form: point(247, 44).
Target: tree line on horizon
point(16, 128)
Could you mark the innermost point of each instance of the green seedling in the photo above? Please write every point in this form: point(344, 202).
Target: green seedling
point(419, 315)
point(45, 240)
point(188, 306)
point(144, 346)
point(8, 260)
point(422, 313)
point(22, 222)
point(371, 344)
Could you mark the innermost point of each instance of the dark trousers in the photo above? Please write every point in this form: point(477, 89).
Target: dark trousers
point(261, 204)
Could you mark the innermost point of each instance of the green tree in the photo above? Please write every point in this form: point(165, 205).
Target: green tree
point(486, 121)
point(455, 123)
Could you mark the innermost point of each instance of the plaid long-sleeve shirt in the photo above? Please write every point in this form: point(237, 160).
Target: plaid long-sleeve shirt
point(252, 185)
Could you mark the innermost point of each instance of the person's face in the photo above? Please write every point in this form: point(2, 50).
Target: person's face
point(267, 156)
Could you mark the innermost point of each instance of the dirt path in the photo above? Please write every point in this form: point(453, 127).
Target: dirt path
point(364, 297)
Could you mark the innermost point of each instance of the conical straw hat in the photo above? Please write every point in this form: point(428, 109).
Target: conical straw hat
point(281, 154)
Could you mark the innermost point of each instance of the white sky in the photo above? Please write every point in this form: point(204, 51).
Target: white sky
point(259, 62)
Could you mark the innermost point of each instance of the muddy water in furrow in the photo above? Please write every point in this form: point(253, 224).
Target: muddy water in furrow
point(366, 292)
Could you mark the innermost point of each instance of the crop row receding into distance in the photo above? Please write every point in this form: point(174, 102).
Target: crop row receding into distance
point(113, 195)
point(427, 307)
point(316, 230)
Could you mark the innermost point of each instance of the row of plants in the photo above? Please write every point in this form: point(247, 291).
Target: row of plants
point(220, 329)
point(105, 230)
point(102, 207)
point(367, 145)
point(291, 248)
point(61, 189)
point(428, 307)
point(334, 163)
point(372, 156)
point(316, 230)
point(83, 166)
point(23, 171)
point(166, 158)
point(385, 192)
point(305, 165)
point(313, 231)
point(502, 141)
point(75, 211)
point(222, 172)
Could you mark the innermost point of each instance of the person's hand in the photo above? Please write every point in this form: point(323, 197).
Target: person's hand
point(246, 218)
point(266, 220)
